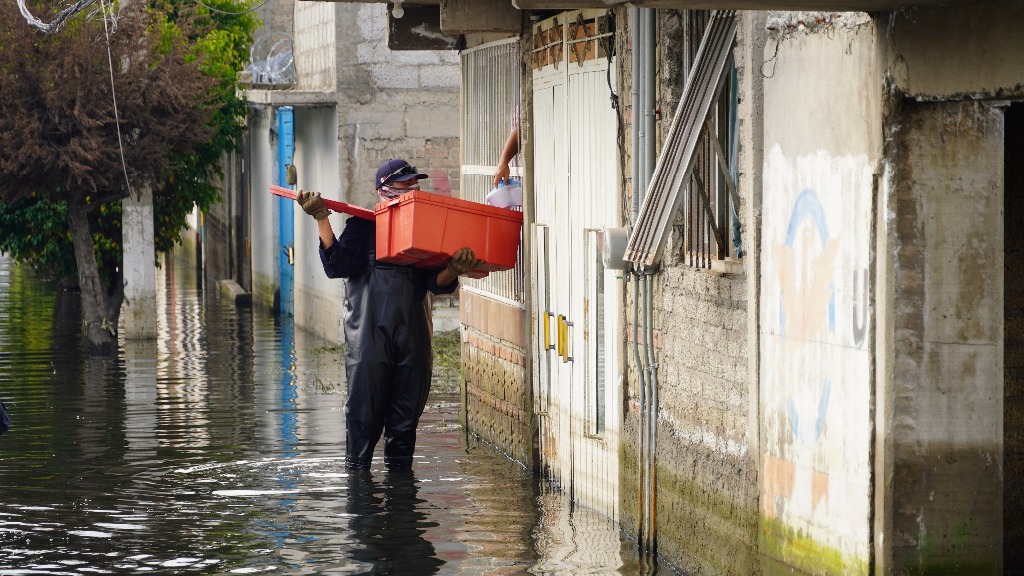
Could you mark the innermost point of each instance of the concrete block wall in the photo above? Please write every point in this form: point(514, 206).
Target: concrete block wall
point(314, 45)
point(357, 103)
point(393, 104)
point(707, 492)
point(706, 507)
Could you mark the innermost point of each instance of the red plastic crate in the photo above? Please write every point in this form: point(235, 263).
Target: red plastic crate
point(424, 230)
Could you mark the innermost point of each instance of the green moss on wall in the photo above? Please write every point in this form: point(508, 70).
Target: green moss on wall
point(795, 549)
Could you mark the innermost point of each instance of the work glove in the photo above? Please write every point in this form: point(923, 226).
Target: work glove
point(462, 262)
point(312, 204)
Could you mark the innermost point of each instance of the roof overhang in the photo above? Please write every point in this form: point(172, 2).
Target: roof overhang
point(825, 5)
point(829, 5)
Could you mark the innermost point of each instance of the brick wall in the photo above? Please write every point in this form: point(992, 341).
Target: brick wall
point(496, 396)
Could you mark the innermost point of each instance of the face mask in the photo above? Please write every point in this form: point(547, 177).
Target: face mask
point(390, 192)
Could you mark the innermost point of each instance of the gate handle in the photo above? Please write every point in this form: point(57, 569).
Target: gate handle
point(563, 338)
point(547, 331)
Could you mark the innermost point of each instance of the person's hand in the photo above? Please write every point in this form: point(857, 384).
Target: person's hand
point(503, 173)
point(312, 204)
point(462, 262)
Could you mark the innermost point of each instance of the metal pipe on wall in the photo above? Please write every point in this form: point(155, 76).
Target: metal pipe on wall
point(644, 117)
point(637, 190)
point(649, 96)
point(649, 157)
point(652, 417)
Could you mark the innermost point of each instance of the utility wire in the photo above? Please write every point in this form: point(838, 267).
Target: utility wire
point(113, 93)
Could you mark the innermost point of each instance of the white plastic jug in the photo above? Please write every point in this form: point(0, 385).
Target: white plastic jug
point(508, 194)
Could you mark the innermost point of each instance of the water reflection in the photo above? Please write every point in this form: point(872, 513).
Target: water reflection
point(218, 449)
point(390, 526)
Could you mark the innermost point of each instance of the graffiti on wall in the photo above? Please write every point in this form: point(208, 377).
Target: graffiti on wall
point(815, 365)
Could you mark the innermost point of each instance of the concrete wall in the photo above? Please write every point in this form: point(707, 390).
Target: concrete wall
point(822, 142)
point(947, 479)
point(947, 387)
point(226, 232)
point(971, 51)
point(1013, 393)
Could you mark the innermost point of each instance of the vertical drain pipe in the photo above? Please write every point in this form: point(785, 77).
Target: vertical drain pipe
point(644, 148)
point(639, 190)
point(652, 418)
point(648, 157)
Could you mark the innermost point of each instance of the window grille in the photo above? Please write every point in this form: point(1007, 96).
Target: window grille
point(708, 209)
point(678, 163)
point(490, 108)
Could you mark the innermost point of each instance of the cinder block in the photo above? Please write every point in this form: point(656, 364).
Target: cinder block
point(235, 293)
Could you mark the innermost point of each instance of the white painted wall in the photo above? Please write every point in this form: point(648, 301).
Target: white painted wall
point(822, 143)
point(264, 249)
point(319, 301)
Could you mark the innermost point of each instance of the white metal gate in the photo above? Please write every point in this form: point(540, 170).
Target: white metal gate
point(578, 301)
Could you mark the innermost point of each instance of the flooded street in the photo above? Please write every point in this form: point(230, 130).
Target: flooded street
point(219, 449)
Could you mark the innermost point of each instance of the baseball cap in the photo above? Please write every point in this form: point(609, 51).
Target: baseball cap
point(396, 170)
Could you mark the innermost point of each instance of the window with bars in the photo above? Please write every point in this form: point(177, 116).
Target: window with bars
point(490, 99)
point(708, 223)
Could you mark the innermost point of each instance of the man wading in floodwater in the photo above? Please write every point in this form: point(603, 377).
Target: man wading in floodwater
point(387, 328)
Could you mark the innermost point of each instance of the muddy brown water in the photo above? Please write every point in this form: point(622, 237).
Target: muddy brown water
point(218, 448)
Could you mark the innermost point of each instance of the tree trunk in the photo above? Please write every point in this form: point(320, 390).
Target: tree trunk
point(100, 330)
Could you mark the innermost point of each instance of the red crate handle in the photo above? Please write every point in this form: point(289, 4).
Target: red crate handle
point(331, 204)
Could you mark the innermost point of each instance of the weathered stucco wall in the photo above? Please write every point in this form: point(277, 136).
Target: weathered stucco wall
point(947, 390)
point(822, 140)
point(970, 51)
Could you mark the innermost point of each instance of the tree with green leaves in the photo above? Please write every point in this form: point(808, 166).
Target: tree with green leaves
point(76, 137)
